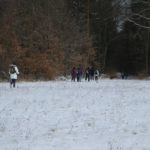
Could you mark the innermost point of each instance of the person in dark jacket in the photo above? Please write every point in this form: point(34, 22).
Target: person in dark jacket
point(87, 74)
point(122, 75)
point(125, 75)
point(92, 73)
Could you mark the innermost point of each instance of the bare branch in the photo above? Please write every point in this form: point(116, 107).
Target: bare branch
point(140, 16)
point(139, 25)
point(139, 1)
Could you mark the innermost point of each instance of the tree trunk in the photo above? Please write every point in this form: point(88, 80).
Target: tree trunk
point(147, 53)
point(104, 59)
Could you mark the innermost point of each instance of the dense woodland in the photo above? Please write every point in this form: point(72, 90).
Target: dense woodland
point(46, 38)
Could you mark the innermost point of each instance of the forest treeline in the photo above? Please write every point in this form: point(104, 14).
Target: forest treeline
point(46, 38)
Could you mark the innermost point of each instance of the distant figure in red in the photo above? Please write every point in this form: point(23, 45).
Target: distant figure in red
point(73, 74)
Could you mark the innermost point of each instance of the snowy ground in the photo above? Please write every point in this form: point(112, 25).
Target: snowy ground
point(62, 115)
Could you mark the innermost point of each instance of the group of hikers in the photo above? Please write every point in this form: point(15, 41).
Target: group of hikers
point(76, 74)
point(90, 74)
point(124, 75)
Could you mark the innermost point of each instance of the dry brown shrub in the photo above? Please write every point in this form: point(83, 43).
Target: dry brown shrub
point(111, 73)
point(142, 74)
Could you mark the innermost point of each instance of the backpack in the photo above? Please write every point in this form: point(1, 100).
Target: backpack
point(73, 72)
point(12, 70)
point(87, 71)
point(96, 72)
point(79, 72)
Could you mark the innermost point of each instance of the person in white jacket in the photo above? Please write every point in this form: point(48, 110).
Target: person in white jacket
point(96, 74)
point(13, 72)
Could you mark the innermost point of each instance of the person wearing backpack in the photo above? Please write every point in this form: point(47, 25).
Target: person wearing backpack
point(79, 74)
point(13, 72)
point(92, 73)
point(73, 74)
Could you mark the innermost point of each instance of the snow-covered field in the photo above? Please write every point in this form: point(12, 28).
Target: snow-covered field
point(62, 115)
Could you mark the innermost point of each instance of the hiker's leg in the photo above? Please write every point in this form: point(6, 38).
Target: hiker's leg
point(73, 78)
point(14, 82)
point(88, 77)
point(80, 78)
point(11, 82)
point(96, 78)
